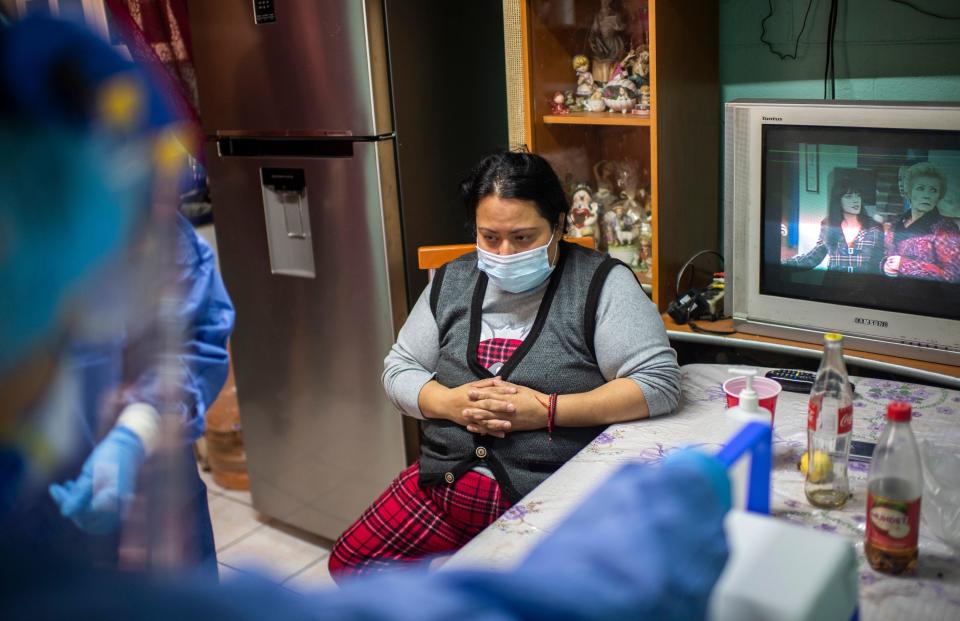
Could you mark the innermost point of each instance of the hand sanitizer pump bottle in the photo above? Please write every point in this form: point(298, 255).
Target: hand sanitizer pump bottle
point(746, 411)
point(748, 408)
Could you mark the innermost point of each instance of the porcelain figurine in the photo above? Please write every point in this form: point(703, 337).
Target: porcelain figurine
point(620, 96)
point(581, 64)
point(558, 105)
point(646, 247)
point(573, 104)
point(626, 216)
point(644, 103)
point(621, 229)
point(594, 103)
point(607, 39)
point(582, 218)
point(639, 72)
point(604, 173)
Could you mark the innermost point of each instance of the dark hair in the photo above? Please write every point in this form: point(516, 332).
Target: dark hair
point(840, 187)
point(522, 176)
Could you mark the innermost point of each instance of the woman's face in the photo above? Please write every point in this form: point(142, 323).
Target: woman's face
point(851, 202)
point(925, 194)
point(508, 226)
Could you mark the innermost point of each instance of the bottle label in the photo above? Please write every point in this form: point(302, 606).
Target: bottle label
point(844, 417)
point(892, 525)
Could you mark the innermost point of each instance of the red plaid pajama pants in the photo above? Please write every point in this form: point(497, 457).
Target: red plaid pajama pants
point(409, 522)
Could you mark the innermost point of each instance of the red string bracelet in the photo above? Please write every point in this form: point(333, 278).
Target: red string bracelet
point(551, 406)
point(551, 414)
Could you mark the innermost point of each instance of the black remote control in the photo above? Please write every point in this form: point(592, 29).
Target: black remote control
point(796, 381)
point(793, 381)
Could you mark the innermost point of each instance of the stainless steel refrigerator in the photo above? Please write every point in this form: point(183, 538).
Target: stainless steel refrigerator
point(337, 132)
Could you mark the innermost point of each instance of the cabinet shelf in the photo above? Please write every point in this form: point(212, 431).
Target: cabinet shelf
point(598, 118)
point(673, 151)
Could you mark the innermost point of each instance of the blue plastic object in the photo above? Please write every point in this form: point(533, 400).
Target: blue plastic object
point(756, 439)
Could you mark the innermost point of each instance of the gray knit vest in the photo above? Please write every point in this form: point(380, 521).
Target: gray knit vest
point(557, 356)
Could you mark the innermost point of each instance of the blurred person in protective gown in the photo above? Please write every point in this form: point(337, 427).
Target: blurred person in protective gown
point(64, 84)
point(88, 239)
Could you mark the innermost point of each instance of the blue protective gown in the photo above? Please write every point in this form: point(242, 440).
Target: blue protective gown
point(208, 312)
point(648, 544)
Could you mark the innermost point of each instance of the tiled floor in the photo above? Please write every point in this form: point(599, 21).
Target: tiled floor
point(248, 541)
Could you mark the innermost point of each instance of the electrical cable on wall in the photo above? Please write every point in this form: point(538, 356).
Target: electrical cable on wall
point(924, 11)
point(829, 69)
point(796, 44)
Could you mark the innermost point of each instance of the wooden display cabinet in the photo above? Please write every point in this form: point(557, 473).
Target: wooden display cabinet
point(677, 142)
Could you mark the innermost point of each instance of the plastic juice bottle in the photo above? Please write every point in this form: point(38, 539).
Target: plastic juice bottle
point(893, 496)
point(829, 426)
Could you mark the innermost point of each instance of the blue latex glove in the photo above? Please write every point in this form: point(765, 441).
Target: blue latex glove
point(98, 498)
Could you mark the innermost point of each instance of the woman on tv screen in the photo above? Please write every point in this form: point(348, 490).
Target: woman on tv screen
point(925, 244)
point(851, 239)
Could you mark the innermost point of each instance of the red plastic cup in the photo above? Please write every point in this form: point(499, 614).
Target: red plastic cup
point(767, 392)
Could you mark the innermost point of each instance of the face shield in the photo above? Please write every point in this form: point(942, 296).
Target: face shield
point(92, 263)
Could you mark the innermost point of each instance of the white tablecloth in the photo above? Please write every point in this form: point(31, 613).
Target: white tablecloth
point(933, 592)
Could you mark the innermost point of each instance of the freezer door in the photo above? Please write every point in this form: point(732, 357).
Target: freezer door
point(291, 67)
point(322, 439)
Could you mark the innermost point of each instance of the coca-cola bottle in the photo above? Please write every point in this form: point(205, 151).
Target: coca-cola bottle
point(893, 496)
point(829, 423)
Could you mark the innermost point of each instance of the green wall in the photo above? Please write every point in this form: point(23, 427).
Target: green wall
point(883, 50)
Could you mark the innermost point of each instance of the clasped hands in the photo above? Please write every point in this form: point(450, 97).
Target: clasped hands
point(494, 407)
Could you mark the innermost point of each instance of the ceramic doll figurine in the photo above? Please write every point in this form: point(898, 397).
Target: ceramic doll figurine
point(621, 229)
point(624, 101)
point(628, 225)
point(573, 104)
point(620, 96)
point(644, 64)
point(628, 182)
point(594, 103)
point(582, 218)
point(620, 93)
point(628, 213)
point(581, 64)
point(644, 97)
point(607, 39)
point(557, 105)
point(646, 203)
point(610, 226)
point(640, 70)
point(646, 247)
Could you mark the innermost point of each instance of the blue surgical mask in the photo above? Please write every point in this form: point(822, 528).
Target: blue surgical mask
point(518, 272)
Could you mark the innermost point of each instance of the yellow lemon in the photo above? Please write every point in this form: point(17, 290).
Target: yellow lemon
point(822, 466)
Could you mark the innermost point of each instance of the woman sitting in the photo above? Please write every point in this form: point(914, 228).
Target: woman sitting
point(514, 358)
point(853, 242)
point(925, 244)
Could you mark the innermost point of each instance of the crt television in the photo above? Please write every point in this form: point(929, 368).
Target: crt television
point(844, 216)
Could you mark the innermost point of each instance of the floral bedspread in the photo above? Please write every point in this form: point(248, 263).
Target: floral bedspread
point(933, 592)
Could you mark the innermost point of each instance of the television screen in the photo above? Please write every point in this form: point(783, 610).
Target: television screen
point(862, 217)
